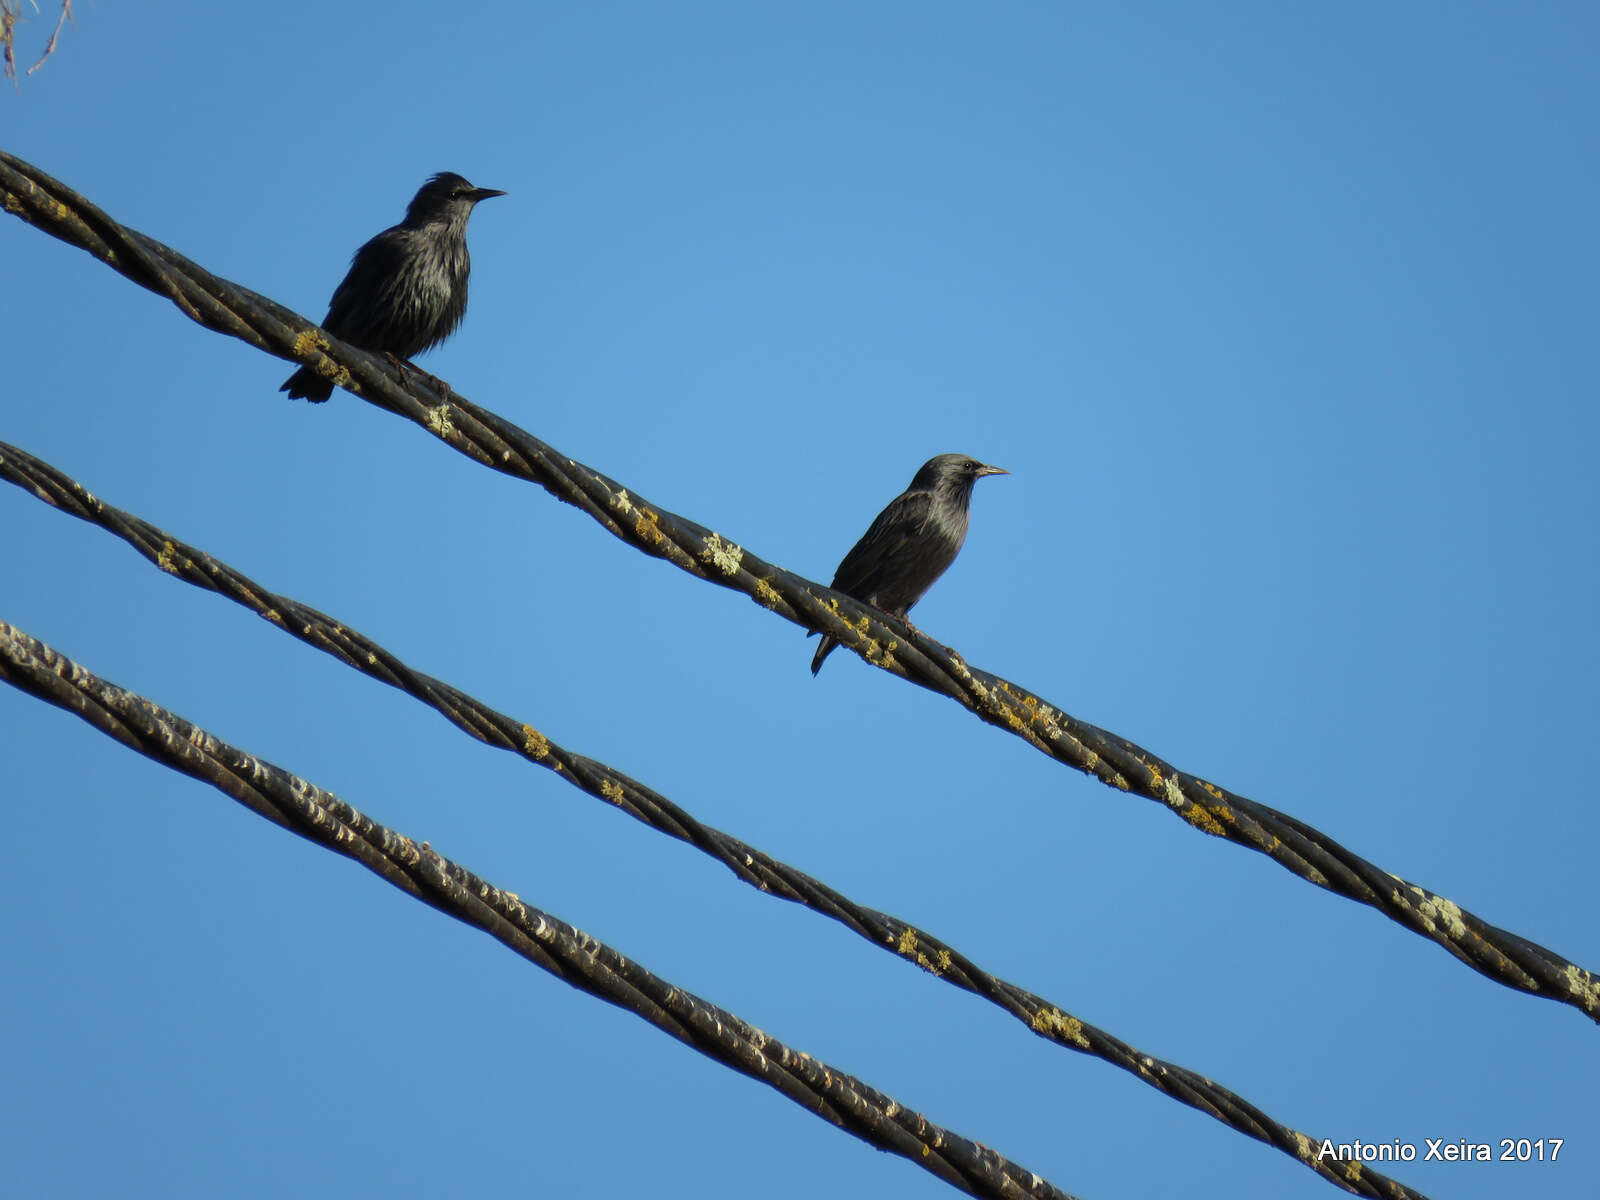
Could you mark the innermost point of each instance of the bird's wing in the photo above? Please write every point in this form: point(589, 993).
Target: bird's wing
point(356, 312)
point(862, 572)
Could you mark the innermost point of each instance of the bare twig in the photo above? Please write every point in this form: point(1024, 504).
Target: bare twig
point(55, 35)
point(10, 14)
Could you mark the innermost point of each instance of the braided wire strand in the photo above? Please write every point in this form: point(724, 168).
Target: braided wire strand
point(566, 952)
point(497, 729)
point(218, 304)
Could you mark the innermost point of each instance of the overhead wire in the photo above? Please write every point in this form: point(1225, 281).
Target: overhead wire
point(338, 639)
point(573, 956)
point(219, 304)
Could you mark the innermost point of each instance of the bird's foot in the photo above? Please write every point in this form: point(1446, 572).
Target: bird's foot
point(410, 369)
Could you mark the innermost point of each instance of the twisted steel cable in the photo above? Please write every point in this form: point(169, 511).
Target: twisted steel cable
point(568, 953)
point(224, 306)
point(1049, 1021)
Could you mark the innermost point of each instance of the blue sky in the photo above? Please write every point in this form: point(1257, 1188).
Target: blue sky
point(1283, 320)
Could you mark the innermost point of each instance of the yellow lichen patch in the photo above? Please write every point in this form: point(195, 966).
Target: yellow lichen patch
point(909, 946)
point(439, 421)
point(1018, 715)
point(340, 376)
point(1055, 1023)
point(308, 340)
point(1210, 787)
point(724, 555)
point(876, 651)
point(766, 595)
point(1352, 1170)
point(1202, 819)
point(13, 204)
point(534, 742)
point(1091, 763)
point(612, 790)
point(167, 559)
point(647, 526)
point(275, 617)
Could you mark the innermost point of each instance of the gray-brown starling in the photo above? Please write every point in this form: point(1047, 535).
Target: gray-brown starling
point(406, 289)
point(912, 542)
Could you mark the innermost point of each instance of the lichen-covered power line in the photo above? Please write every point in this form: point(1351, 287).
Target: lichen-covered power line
point(482, 435)
point(334, 637)
point(569, 954)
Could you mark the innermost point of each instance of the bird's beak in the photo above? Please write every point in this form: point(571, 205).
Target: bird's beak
point(484, 194)
point(982, 471)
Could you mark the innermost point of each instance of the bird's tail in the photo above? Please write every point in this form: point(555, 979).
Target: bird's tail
point(307, 383)
point(823, 651)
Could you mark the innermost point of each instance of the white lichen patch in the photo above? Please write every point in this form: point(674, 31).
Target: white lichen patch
point(1173, 794)
point(1439, 913)
point(439, 421)
point(723, 555)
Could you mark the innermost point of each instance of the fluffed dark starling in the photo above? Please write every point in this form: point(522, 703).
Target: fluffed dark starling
point(912, 542)
point(406, 289)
